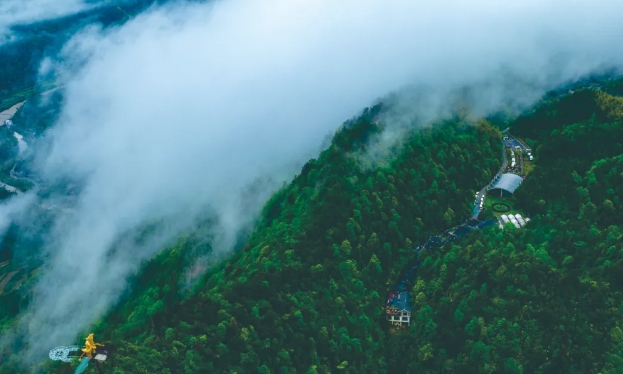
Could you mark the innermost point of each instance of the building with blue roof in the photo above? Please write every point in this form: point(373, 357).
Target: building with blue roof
point(398, 309)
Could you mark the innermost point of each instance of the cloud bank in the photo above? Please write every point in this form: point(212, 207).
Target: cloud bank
point(182, 108)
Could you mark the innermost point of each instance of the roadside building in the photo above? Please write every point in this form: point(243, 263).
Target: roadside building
point(398, 309)
point(506, 184)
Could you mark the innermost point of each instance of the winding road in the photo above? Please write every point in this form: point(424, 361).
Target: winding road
point(483, 192)
point(434, 242)
point(7, 115)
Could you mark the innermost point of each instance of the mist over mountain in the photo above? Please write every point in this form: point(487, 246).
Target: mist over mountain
point(183, 108)
point(17, 12)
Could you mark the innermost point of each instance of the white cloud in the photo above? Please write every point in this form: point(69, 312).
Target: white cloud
point(14, 209)
point(186, 105)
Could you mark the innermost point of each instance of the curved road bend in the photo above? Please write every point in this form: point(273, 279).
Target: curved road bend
point(5, 115)
point(482, 193)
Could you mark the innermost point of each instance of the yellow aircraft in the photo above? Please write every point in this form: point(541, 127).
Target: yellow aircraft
point(90, 347)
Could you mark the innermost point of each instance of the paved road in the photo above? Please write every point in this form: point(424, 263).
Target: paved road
point(523, 145)
point(435, 242)
point(483, 192)
point(504, 163)
point(510, 141)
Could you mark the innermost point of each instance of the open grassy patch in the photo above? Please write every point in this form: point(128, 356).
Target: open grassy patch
point(528, 166)
point(16, 97)
point(490, 200)
point(500, 207)
point(23, 94)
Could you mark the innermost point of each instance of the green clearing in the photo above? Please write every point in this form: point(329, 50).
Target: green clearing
point(23, 94)
point(528, 167)
point(16, 97)
point(490, 200)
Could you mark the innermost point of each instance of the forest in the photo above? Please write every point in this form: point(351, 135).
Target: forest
point(544, 299)
point(305, 292)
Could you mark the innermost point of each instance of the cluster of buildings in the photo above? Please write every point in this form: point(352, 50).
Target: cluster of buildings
point(516, 219)
point(515, 144)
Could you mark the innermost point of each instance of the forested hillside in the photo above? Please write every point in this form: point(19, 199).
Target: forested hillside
point(177, 195)
point(546, 299)
point(306, 294)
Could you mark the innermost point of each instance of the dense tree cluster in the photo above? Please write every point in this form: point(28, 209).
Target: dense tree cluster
point(547, 298)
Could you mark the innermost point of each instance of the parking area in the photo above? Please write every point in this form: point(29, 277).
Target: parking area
point(513, 143)
point(479, 203)
point(520, 157)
